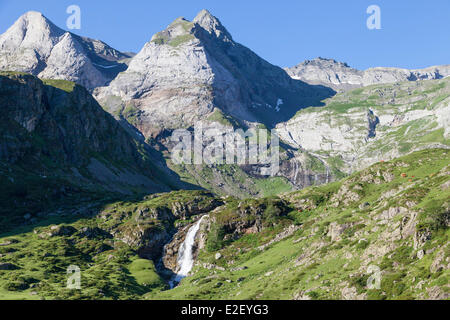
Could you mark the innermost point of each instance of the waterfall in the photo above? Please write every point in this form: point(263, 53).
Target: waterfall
point(296, 171)
point(185, 258)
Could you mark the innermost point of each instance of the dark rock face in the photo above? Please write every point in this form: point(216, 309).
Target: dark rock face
point(63, 122)
point(373, 121)
point(72, 122)
point(153, 242)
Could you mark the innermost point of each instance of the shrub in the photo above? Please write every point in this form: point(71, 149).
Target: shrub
point(362, 245)
point(215, 238)
point(313, 295)
point(16, 285)
point(440, 219)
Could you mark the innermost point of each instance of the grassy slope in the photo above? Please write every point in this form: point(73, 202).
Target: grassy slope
point(310, 265)
point(231, 180)
point(307, 264)
point(110, 268)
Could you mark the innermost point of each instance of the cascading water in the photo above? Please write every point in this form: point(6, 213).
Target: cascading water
point(185, 259)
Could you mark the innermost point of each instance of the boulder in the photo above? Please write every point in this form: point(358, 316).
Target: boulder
point(335, 230)
point(62, 231)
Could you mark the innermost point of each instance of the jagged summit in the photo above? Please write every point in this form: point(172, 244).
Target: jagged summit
point(212, 24)
point(325, 62)
point(194, 67)
point(340, 76)
point(31, 27)
point(204, 13)
point(35, 45)
point(182, 30)
point(35, 18)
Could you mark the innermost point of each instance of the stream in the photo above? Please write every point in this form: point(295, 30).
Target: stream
point(185, 260)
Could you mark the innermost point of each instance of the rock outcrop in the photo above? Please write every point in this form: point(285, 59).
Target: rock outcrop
point(61, 121)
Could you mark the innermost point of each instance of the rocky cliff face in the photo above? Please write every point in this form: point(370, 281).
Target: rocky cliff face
point(56, 128)
point(353, 130)
point(155, 220)
point(376, 123)
point(191, 68)
point(193, 71)
point(35, 45)
point(341, 77)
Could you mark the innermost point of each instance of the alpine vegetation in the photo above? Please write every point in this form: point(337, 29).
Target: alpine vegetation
point(197, 170)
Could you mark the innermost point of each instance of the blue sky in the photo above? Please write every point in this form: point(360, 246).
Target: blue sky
point(414, 34)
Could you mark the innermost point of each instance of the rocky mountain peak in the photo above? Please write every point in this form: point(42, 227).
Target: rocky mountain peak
point(212, 25)
point(31, 30)
point(33, 44)
point(327, 72)
point(325, 62)
point(69, 61)
point(192, 68)
point(182, 30)
point(37, 21)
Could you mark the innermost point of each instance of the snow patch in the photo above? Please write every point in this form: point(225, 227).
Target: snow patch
point(279, 104)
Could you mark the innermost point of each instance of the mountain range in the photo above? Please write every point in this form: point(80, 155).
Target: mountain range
point(340, 76)
point(87, 177)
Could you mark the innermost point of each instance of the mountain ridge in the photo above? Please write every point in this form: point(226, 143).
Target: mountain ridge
point(312, 244)
point(340, 76)
point(214, 72)
point(33, 44)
